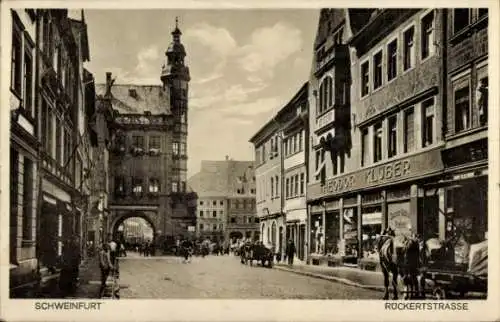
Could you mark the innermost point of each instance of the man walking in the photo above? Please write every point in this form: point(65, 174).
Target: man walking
point(113, 252)
point(290, 252)
point(106, 266)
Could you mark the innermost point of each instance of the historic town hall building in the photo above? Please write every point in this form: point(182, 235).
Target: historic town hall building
point(148, 153)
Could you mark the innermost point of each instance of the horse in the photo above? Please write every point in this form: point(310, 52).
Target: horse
point(399, 255)
point(246, 253)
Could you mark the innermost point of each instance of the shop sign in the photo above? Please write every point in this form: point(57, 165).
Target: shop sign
point(372, 218)
point(399, 218)
point(413, 166)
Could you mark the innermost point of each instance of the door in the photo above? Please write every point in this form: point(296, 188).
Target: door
point(302, 238)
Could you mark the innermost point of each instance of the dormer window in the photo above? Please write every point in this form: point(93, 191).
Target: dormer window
point(132, 92)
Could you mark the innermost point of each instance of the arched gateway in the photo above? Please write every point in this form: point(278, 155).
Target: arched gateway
point(150, 217)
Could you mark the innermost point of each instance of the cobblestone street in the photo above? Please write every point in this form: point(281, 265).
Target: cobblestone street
point(223, 277)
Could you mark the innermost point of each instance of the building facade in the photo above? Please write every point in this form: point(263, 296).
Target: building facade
point(281, 175)
point(49, 144)
point(394, 136)
point(295, 152)
point(464, 185)
point(226, 200)
point(148, 160)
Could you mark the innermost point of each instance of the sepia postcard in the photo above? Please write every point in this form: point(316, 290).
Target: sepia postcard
point(249, 161)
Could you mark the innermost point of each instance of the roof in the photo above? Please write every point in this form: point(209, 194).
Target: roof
point(137, 99)
point(329, 20)
point(223, 179)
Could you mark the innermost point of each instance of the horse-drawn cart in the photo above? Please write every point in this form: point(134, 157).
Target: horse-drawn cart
point(444, 281)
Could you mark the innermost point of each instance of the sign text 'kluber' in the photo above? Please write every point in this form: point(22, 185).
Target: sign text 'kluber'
point(376, 175)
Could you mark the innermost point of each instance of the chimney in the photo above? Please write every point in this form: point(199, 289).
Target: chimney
point(108, 78)
point(227, 157)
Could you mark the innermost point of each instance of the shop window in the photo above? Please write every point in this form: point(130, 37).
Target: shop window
point(377, 70)
point(409, 131)
point(371, 228)
point(461, 19)
point(427, 34)
point(392, 60)
point(350, 229)
point(317, 235)
point(409, 48)
point(332, 232)
point(365, 78)
point(428, 122)
point(377, 142)
point(392, 136)
point(364, 147)
point(482, 12)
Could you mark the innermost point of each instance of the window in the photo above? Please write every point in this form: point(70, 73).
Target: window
point(119, 186)
point(377, 142)
point(300, 140)
point(392, 139)
point(183, 186)
point(221, 227)
point(462, 109)
point(16, 59)
point(214, 202)
point(201, 227)
point(482, 12)
point(409, 48)
point(201, 202)
point(221, 202)
point(183, 149)
point(46, 126)
point(272, 187)
point(364, 147)
point(428, 122)
point(296, 192)
point(214, 214)
point(276, 181)
point(377, 70)
point(252, 191)
point(325, 92)
point(263, 153)
point(292, 180)
point(302, 183)
point(201, 213)
point(285, 146)
point(335, 163)
point(183, 117)
point(271, 155)
point(28, 80)
point(154, 185)
point(392, 60)
point(409, 131)
point(59, 140)
point(461, 19)
point(175, 148)
point(294, 141)
point(365, 79)
point(233, 220)
point(221, 212)
point(154, 142)
point(26, 170)
point(137, 187)
point(427, 33)
point(175, 187)
point(287, 187)
point(138, 141)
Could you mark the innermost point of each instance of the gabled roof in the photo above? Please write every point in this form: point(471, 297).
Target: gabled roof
point(136, 99)
point(223, 179)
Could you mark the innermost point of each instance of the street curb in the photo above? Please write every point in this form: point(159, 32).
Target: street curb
point(331, 278)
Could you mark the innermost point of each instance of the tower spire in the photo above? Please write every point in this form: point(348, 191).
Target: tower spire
point(177, 22)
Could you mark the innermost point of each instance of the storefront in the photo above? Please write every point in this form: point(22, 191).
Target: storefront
point(391, 194)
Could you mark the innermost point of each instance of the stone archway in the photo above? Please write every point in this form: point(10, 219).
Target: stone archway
point(120, 219)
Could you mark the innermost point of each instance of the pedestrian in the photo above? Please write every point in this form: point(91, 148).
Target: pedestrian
point(113, 252)
point(290, 251)
point(106, 266)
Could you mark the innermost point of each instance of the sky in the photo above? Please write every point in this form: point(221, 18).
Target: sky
point(245, 65)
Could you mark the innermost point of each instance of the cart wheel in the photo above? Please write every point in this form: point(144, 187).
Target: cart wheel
point(439, 293)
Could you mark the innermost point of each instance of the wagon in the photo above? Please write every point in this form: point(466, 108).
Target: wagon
point(462, 282)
